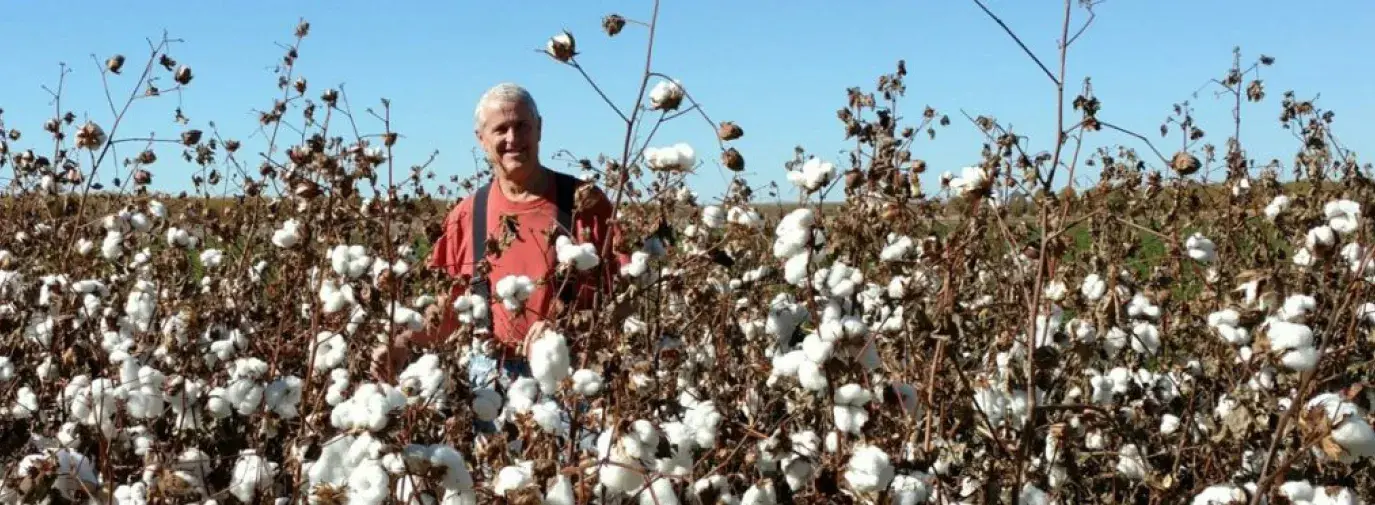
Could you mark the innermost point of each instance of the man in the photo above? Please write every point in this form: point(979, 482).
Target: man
point(538, 201)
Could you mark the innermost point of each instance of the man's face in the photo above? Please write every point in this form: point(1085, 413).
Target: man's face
point(510, 136)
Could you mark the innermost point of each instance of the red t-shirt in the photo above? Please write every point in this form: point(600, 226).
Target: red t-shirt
point(530, 253)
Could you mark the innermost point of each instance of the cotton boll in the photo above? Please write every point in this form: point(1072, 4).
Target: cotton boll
point(512, 478)
point(1301, 360)
point(1276, 207)
point(813, 175)
point(1169, 423)
point(713, 217)
point(1221, 494)
point(660, 492)
point(522, 394)
point(288, 235)
point(1130, 464)
point(1200, 248)
point(1349, 428)
point(582, 257)
point(1147, 339)
point(869, 470)
point(911, 489)
point(1344, 216)
point(252, 473)
point(587, 383)
point(486, 404)
point(760, 494)
point(897, 249)
point(549, 361)
point(424, 381)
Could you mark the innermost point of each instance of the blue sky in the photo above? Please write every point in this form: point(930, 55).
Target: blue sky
point(779, 69)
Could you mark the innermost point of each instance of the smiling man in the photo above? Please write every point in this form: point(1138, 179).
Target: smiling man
point(524, 209)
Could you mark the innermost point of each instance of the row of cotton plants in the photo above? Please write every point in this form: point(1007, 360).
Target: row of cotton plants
point(1148, 338)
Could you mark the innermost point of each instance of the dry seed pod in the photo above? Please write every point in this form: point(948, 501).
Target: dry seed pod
point(1185, 163)
point(183, 75)
point(729, 131)
point(733, 160)
point(115, 63)
point(613, 24)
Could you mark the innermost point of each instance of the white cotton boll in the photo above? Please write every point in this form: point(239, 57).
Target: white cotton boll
point(1146, 339)
point(1130, 464)
point(368, 483)
point(522, 394)
point(760, 494)
point(587, 382)
point(369, 407)
point(746, 217)
point(1169, 423)
point(1344, 216)
point(288, 235)
point(1093, 288)
point(1320, 237)
point(330, 349)
point(549, 417)
point(897, 249)
point(1200, 248)
point(252, 473)
point(1303, 258)
point(660, 492)
point(514, 290)
point(177, 237)
point(486, 404)
point(1285, 335)
point(578, 256)
point(812, 377)
point(1221, 494)
point(970, 179)
point(1296, 308)
point(713, 217)
point(512, 478)
point(1301, 360)
point(1297, 490)
point(113, 245)
point(1349, 427)
point(623, 475)
point(1142, 308)
point(1331, 495)
point(911, 489)
point(813, 175)
point(869, 470)
point(549, 361)
point(350, 261)
point(638, 265)
point(424, 381)
point(1276, 207)
point(665, 95)
point(1055, 291)
point(84, 246)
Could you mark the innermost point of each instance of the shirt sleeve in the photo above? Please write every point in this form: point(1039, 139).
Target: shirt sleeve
point(448, 254)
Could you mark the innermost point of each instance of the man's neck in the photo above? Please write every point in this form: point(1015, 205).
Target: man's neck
point(524, 189)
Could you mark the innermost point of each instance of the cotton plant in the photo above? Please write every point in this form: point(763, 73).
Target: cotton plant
point(514, 290)
point(813, 175)
point(581, 257)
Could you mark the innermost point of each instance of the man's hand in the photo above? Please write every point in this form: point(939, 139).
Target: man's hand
point(536, 330)
point(388, 360)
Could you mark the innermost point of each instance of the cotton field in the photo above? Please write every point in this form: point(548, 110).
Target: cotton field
point(1154, 337)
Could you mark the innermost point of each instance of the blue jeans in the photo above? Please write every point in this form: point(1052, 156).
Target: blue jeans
point(482, 373)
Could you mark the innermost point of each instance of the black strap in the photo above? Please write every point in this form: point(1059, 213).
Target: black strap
point(565, 188)
point(480, 285)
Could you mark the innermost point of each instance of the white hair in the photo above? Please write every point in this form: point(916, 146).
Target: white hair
point(505, 92)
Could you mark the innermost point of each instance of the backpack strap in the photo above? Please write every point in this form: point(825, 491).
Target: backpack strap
point(481, 285)
point(566, 188)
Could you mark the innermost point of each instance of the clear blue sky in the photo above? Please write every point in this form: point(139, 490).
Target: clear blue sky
point(779, 69)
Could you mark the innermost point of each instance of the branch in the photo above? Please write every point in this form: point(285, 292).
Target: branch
point(1018, 40)
point(1164, 160)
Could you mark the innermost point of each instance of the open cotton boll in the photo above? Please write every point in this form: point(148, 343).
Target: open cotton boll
point(1285, 335)
point(470, 308)
point(368, 409)
point(1296, 308)
point(813, 175)
point(288, 235)
point(850, 413)
point(486, 404)
point(1093, 287)
point(549, 361)
point(252, 473)
point(582, 257)
point(869, 469)
point(911, 489)
point(1344, 216)
point(513, 477)
point(1141, 307)
point(660, 492)
point(177, 237)
point(560, 491)
point(1130, 464)
point(1200, 248)
point(424, 382)
point(330, 349)
point(522, 394)
point(1349, 427)
point(677, 157)
point(897, 248)
point(745, 217)
point(587, 382)
point(1221, 494)
point(1276, 207)
point(1146, 339)
point(1320, 237)
point(713, 217)
point(623, 473)
point(350, 261)
point(970, 179)
point(514, 290)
